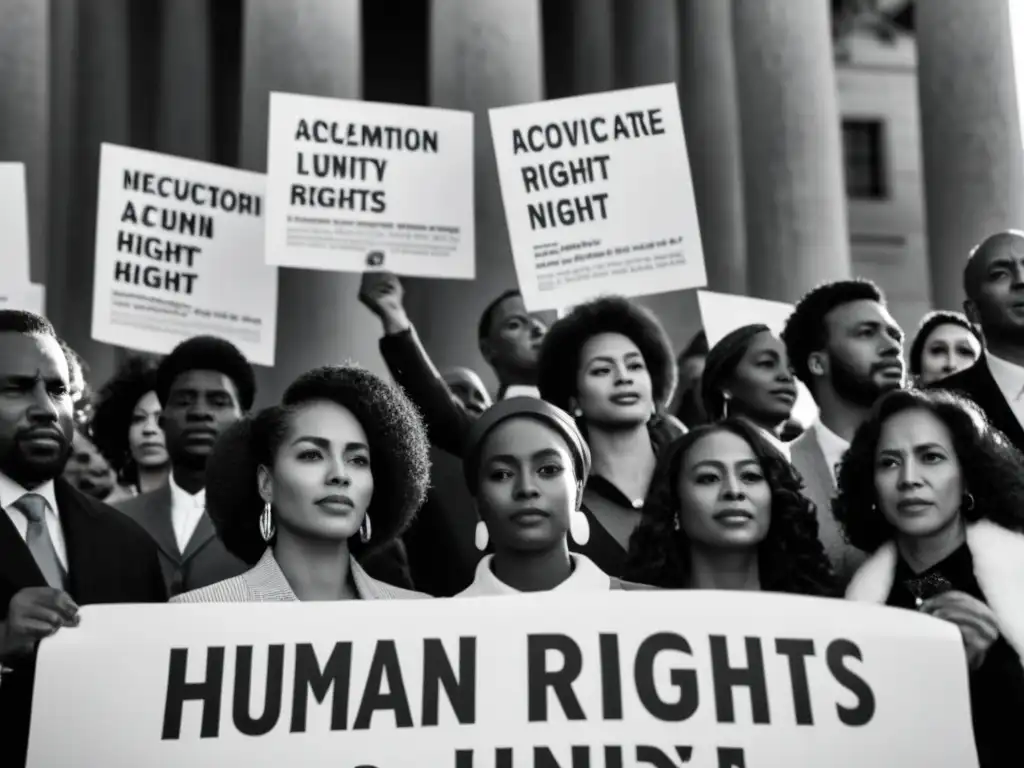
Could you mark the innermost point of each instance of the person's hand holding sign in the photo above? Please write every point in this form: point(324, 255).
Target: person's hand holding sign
point(977, 623)
point(34, 613)
point(382, 294)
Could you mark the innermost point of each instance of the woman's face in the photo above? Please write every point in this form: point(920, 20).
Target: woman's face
point(918, 480)
point(527, 485)
point(726, 502)
point(949, 348)
point(762, 385)
point(613, 384)
point(87, 470)
point(145, 438)
point(321, 483)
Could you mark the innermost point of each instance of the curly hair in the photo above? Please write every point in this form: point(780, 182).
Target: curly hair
point(791, 558)
point(399, 456)
point(559, 359)
point(929, 323)
point(207, 353)
point(806, 330)
point(991, 468)
point(112, 415)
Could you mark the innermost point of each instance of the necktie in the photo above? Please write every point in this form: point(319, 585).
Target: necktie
point(33, 506)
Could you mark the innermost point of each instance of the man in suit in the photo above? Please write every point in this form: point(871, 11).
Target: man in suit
point(994, 286)
point(845, 346)
point(59, 549)
point(204, 385)
point(509, 338)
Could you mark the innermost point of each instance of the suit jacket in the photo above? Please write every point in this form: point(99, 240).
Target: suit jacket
point(110, 560)
point(809, 460)
point(204, 561)
point(976, 384)
point(266, 583)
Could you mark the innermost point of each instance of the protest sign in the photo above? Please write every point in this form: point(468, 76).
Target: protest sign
point(179, 252)
point(28, 297)
point(610, 680)
point(598, 196)
point(14, 253)
point(722, 313)
point(357, 185)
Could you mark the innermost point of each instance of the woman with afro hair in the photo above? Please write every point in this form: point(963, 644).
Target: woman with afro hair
point(725, 512)
point(609, 364)
point(126, 429)
point(305, 490)
point(935, 492)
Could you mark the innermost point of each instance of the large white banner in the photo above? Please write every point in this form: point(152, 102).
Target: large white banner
point(356, 185)
point(28, 297)
point(609, 680)
point(598, 196)
point(723, 313)
point(14, 253)
point(179, 252)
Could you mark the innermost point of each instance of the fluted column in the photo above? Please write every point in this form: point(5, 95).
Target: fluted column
point(797, 231)
point(579, 46)
point(183, 114)
point(646, 42)
point(483, 54)
point(970, 130)
point(308, 47)
point(707, 95)
point(25, 110)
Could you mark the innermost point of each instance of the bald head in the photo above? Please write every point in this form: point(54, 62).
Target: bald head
point(468, 387)
point(1007, 245)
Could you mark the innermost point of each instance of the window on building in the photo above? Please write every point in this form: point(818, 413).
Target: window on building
point(864, 156)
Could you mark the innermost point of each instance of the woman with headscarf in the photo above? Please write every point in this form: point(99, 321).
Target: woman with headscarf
point(303, 492)
point(747, 375)
point(934, 492)
point(526, 465)
point(609, 364)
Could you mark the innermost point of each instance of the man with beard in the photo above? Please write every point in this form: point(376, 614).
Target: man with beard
point(994, 286)
point(204, 386)
point(59, 549)
point(845, 346)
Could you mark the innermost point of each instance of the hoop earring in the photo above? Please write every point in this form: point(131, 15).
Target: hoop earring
point(481, 537)
point(267, 528)
point(726, 397)
point(579, 528)
point(365, 529)
point(968, 502)
point(577, 413)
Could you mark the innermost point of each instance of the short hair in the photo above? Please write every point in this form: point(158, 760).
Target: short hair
point(115, 405)
point(992, 241)
point(559, 358)
point(929, 323)
point(992, 469)
point(806, 330)
point(207, 353)
point(399, 456)
point(487, 316)
point(698, 346)
point(790, 559)
point(31, 324)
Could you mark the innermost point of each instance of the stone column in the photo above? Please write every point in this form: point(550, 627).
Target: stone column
point(646, 42)
point(797, 232)
point(970, 131)
point(309, 47)
point(183, 115)
point(25, 107)
point(707, 94)
point(579, 47)
point(483, 54)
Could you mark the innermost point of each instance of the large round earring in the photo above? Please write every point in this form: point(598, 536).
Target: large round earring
point(266, 523)
point(365, 529)
point(481, 536)
point(579, 528)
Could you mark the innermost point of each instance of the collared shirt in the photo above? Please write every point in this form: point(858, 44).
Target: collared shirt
point(520, 390)
point(10, 492)
point(186, 512)
point(585, 577)
point(1009, 377)
point(832, 446)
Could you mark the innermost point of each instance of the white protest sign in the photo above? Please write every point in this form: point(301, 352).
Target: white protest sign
point(627, 679)
point(28, 297)
point(353, 185)
point(598, 196)
point(14, 253)
point(179, 252)
point(723, 313)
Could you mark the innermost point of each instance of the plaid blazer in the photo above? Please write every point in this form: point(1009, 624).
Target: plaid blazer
point(265, 583)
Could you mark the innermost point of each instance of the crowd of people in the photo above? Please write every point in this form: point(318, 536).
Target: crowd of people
point(605, 462)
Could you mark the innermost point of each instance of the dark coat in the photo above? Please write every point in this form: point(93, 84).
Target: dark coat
point(976, 384)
